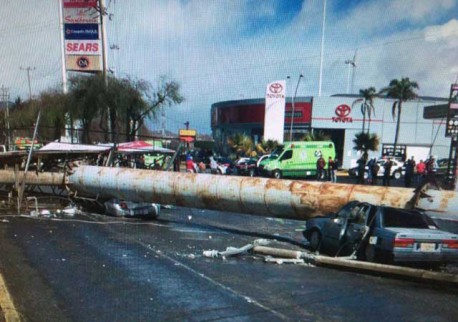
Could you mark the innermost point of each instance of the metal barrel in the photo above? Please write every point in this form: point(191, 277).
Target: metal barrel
point(293, 199)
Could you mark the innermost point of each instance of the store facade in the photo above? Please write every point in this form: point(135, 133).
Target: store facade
point(340, 117)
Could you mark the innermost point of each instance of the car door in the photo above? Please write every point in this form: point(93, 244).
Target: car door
point(332, 229)
point(286, 161)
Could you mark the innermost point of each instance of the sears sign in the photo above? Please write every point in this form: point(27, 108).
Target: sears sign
point(83, 47)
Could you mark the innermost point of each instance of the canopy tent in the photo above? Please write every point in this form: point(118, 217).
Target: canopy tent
point(58, 147)
point(141, 147)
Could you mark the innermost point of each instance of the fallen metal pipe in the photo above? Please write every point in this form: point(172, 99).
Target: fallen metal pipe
point(32, 178)
point(293, 199)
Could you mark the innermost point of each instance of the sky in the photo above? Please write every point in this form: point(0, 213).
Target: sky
point(222, 50)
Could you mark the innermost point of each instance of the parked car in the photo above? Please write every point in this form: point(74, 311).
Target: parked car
point(262, 158)
point(381, 234)
point(225, 165)
point(120, 208)
point(397, 170)
point(246, 166)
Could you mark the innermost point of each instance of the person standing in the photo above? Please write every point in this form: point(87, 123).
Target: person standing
point(374, 169)
point(190, 166)
point(213, 165)
point(334, 165)
point(370, 164)
point(410, 168)
point(421, 169)
point(361, 170)
point(320, 165)
point(329, 172)
point(387, 172)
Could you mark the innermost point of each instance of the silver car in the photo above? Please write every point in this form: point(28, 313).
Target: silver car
point(382, 234)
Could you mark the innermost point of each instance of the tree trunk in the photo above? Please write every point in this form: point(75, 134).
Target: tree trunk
point(398, 123)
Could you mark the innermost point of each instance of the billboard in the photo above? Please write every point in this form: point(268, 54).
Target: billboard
point(77, 31)
point(83, 47)
point(451, 128)
point(79, 3)
point(274, 118)
point(80, 15)
point(83, 63)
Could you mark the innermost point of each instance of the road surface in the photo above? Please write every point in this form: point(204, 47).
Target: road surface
point(97, 268)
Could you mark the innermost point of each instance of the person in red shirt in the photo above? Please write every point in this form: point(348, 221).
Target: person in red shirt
point(421, 170)
point(190, 166)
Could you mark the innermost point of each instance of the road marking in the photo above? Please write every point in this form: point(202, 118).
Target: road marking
point(6, 303)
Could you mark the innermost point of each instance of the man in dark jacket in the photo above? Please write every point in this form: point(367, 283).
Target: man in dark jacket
point(387, 173)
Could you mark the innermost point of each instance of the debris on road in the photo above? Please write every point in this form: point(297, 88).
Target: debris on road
point(232, 251)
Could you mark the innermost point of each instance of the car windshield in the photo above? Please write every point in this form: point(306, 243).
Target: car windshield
point(276, 152)
point(403, 219)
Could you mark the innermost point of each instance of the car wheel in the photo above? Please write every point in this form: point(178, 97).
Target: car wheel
point(276, 174)
point(369, 254)
point(251, 173)
point(314, 241)
point(397, 175)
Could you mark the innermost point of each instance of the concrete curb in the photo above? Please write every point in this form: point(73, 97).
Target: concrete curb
point(358, 265)
point(8, 309)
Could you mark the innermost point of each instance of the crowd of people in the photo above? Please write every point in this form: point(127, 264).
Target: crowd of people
point(326, 171)
point(414, 173)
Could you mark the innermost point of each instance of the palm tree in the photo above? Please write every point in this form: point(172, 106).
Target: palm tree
point(241, 144)
point(401, 90)
point(365, 142)
point(316, 136)
point(367, 105)
point(266, 147)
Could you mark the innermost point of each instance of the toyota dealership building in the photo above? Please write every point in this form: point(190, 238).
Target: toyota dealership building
point(420, 134)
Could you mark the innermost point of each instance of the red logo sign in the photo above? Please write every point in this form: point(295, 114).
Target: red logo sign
point(343, 111)
point(276, 88)
point(83, 62)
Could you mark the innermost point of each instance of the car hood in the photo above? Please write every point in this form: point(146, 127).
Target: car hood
point(423, 233)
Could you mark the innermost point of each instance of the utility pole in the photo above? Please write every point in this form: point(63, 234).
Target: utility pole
point(351, 67)
point(320, 81)
point(28, 69)
point(5, 99)
point(103, 12)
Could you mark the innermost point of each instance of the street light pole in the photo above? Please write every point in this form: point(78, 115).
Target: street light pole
point(292, 103)
point(351, 66)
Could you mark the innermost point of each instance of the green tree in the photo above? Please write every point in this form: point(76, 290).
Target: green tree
point(54, 107)
point(367, 105)
point(125, 102)
point(401, 90)
point(266, 147)
point(145, 101)
point(87, 102)
point(365, 142)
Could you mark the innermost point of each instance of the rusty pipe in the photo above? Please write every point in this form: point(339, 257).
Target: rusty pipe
point(293, 199)
point(32, 178)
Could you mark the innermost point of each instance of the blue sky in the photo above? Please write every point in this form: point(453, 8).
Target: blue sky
point(230, 49)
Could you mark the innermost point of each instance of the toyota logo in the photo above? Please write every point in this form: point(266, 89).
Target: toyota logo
point(343, 110)
point(276, 88)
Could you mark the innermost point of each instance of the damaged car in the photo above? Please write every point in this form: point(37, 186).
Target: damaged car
point(122, 208)
point(382, 234)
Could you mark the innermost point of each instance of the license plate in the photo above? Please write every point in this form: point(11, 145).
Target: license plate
point(427, 247)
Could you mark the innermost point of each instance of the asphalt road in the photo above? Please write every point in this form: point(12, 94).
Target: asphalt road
point(97, 268)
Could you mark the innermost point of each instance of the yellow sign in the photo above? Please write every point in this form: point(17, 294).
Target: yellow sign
point(192, 133)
